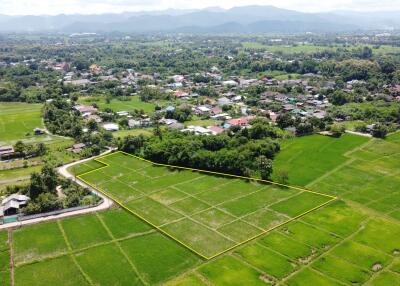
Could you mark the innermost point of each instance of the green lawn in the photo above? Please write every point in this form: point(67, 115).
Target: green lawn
point(17, 121)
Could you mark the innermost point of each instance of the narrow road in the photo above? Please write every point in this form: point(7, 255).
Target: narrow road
point(63, 170)
point(359, 133)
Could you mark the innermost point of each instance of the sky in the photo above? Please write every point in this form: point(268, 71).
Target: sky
point(53, 7)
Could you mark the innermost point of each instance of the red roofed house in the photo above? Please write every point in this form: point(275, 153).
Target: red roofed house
point(215, 130)
point(85, 108)
point(242, 121)
point(216, 110)
point(180, 93)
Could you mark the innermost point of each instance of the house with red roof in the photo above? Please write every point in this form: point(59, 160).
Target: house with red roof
point(242, 121)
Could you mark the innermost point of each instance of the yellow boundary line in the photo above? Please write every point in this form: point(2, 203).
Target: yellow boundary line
point(332, 198)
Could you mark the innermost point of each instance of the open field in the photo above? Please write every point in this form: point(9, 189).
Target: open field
point(310, 253)
point(311, 49)
point(348, 242)
point(370, 177)
point(133, 132)
point(309, 157)
point(15, 173)
point(208, 214)
point(17, 121)
point(75, 251)
point(116, 105)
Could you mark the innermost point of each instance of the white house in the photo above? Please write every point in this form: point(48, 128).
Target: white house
point(111, 127)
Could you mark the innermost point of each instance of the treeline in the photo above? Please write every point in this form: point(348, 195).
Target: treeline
point(240, 152)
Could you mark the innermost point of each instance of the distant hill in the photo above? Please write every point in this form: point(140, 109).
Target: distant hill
point(258, 19)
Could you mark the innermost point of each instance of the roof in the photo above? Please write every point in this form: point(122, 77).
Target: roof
point(111, 126)
point(85, 108)
point(6, 150)
point(16, 198)
point(216, 129)
point(79, 146)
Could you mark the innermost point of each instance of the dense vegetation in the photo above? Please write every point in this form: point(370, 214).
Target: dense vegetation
point(242, 153)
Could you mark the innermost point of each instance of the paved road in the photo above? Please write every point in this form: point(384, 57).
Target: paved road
point(63, 170)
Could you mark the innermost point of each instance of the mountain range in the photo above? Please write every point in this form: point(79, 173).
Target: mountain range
point(248, 19)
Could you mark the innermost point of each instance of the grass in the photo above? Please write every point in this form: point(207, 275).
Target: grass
point(388, 233)
point(17, 121)
point(337, 245)
point(5, 278)
point(341, 270)
point(137, 252)
point(84, 231)
point(369, 177)
point(310, 277)
point(229, 271)
point(188, 280)
point(171, 200)
point(309, 157)
point(50, 272)
point(122, 224)
point(132, 103)
point(93, 262)
point(394, 137)
point(299, 204)
point(361, 255)
point(311, 49)
point(310, 235)
point(386, 279)
point(133, 132)
point(287, 246)
point(158, 258)
point(266, 260)
point(38, 241)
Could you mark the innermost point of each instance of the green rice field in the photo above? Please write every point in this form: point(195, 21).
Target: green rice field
point(183, 204)
point(17, 121)
point(309, 157)
point(352, 241)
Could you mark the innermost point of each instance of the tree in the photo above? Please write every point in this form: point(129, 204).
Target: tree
point(285, 120)
point(35, 186)
point(49, 178)
point(337, 130)
point(92, 125)
point(339, 97)
point(282, 177)
point(264, 167)
point(40, 149)
point(20, 148)
point(379, 131)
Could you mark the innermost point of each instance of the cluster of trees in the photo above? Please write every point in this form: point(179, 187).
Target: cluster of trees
point(180, 114)
point(43, 194)
point(303, 126)
point(241, 153)
point(61, 118)
point(375, 111)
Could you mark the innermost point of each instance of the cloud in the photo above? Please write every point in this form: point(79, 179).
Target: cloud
point(36, 7)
